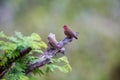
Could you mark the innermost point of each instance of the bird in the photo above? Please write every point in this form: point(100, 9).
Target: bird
point(69, 33)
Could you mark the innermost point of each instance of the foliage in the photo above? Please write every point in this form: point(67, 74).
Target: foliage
point(10, 47)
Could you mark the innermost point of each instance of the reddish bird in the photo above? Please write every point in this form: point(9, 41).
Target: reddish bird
point(69, 33)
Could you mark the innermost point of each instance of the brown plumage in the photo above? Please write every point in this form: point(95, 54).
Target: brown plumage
point(69, 33)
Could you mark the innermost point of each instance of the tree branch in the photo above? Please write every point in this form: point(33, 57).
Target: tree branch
point(46, 57)
point(5, 69)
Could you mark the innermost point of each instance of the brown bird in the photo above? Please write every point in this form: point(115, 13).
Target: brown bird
point(69, 33)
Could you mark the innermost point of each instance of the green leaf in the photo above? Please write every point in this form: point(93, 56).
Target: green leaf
point(64, 59)
point(19, 35)
point(22, 77)
point(66, 68)
point(2, 43)
point(13, 39)
point(37, 51)
point(39, 71)
point(43, 44)
point(2, 35)
point(35, 36)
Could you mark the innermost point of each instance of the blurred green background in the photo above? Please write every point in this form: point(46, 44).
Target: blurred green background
point(95, 55)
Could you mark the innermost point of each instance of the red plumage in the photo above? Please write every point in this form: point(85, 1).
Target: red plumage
point(69, 33)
